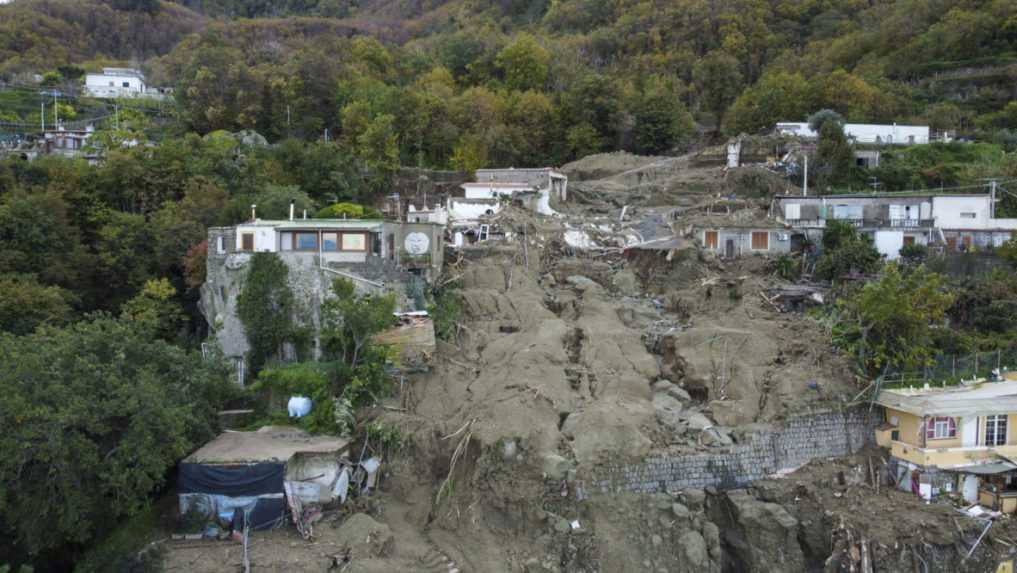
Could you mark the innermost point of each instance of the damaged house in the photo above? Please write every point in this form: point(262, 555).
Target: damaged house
point(954, 439)
point(375, 255)
point(470, 216)
point(249, 479)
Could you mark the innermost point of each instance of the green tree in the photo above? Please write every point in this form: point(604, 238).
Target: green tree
point(266, 308)
point(349, 320)
point(348, 210)
point(834, 154)
point(661, 120)
point(777, 96)
point(845, 251)
point(524, 63)
point(94, 417)
point(718, 81)
point(890, 321)
point(156, 308)
point(26, 304)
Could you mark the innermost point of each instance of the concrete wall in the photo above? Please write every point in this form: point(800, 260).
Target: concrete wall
point(948, 212)
point(803, 439)
point(743, 241)
point(264, 238)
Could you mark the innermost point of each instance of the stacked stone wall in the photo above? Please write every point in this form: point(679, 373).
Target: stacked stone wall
point(765, 452)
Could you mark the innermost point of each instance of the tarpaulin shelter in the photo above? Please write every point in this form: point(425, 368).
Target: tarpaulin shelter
point(243, 474)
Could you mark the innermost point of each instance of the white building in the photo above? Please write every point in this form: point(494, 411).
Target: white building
point(893, 220)
point(893, 134)
point(120, 82)
point(968, 222)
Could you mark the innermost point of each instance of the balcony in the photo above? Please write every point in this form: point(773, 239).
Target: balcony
point(946, 458)
point(912, 223)
point(902, 224)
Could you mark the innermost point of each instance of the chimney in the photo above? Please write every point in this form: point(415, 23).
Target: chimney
point(291, 209)
point(253, 216)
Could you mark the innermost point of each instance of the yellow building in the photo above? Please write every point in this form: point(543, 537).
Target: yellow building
point(954, 439)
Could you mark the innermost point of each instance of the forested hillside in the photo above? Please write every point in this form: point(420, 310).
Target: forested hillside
point(463, 84)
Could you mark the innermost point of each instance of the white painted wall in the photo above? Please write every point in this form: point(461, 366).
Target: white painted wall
point(865, 132)
point(459, 210)
point(947, 212)
point(889, 243)
point(99, 85)
point(264, 238)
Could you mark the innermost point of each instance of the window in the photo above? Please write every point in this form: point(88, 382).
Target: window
point(909, 240)
point(793, 211)
point(247, 242)
point(940, 428)
point(760, 240)
point(220, 245)
point(354, 242)
point(330, 241)
point(995, 430)
point(307, 241)
point(111, 84)
point(711, 239)
point(968, 215)
point(127, 84)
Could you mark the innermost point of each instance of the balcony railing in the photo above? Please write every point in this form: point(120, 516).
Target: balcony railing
point(866, 223)
point(950, 457)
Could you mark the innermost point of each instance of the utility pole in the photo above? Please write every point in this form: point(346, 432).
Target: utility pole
point(116, 116)
point(56, 116)
point(992, 199)
point(42, 116)
point(805, 178)
point(326, 135)
point(874, 183)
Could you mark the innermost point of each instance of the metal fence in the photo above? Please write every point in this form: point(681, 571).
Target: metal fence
point(950, 369)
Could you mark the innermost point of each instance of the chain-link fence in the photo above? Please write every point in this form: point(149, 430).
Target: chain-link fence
point(950, 369)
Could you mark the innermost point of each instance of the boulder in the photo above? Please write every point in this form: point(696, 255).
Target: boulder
point(694, 552)
point(671, 389)
point(626, 283)
point(715, 436)
point(363, 536)
point(759, 536)
point(668, 411)
point(698, 421)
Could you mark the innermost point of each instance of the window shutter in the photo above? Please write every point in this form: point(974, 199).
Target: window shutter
point(930, 428)
point(953, 427)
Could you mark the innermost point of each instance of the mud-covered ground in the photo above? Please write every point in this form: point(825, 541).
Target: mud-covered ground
point(568, 352)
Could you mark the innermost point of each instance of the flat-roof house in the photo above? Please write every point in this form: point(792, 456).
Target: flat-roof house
point(893, 220)
point(954, 439)
point(892, 134)
point(375, 255)
point(247, 478)
point(121, 82)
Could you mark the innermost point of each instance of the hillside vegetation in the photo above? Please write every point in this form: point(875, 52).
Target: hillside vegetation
point(464, 84)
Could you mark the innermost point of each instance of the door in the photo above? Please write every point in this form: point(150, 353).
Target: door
point(711, 240)
point(247, 242)
point(729, 248)
point(970, 489)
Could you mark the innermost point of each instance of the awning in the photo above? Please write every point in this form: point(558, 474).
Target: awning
point(987, 469)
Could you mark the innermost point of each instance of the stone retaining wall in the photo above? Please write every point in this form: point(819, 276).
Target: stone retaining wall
point(802, 439)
